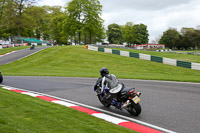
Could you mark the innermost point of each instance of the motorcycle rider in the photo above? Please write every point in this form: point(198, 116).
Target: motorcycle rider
point(32, 46)
point(111, 82)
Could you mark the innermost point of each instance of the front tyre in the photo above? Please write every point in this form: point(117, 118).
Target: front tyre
point(134, 109)
point(104, 103)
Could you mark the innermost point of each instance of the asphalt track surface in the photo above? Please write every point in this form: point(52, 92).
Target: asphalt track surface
point(171, 105)
point(19, 54)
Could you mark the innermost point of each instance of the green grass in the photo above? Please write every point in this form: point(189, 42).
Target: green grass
point(183, 51)
point(181, 57)
point(7, 50)
point(75, 61)
point(24, 114)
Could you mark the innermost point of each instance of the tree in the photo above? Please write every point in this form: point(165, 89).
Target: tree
point(84, 18)
point(57, 17)
point(11, 22)
point(8, 19)
point(80, 21)
point(129, 33)
point(2, 4)
point(141, 34)
point(197, 38)
point(21, 5)
point(75, 17)
point(190, 38)
point(114, 34)
point(93, 23)
point(34, 22)
point(171, 38)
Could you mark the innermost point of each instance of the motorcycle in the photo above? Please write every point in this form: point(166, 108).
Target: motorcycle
point(127, 98)
point(1, 78)
point(32, 47)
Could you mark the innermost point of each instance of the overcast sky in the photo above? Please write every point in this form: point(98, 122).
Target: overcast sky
point(157, 15)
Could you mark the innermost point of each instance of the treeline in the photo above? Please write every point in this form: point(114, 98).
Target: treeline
point(187, 38)
point(79, 21)
point(129, 33)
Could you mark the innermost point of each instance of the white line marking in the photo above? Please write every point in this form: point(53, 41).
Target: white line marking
point(64, 103)
point(109, 118)
point(30, 94)
point(7, 88)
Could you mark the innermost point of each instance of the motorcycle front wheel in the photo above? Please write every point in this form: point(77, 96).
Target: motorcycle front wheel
point(104, 103)
point(134, 109)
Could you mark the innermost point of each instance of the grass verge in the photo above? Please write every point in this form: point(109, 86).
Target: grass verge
point(75, 61)
point(24, 114)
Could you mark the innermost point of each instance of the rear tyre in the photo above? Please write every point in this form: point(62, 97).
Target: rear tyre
point(134, 109)
point(1, 78)
point(104, 103)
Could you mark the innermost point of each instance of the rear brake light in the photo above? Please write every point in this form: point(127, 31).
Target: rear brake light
point(131, 91)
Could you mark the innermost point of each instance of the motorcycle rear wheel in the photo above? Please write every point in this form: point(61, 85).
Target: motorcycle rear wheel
point(104, 103)
point(134, 109)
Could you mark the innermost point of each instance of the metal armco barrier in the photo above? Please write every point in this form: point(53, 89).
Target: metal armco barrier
point(168, 61)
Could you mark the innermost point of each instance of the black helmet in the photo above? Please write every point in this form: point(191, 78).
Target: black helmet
point(104, 71)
